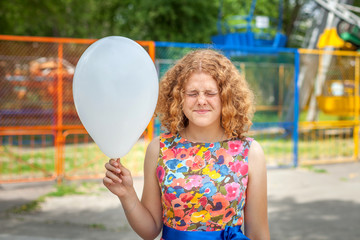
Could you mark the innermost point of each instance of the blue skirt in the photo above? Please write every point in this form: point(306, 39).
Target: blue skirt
point(229, 233)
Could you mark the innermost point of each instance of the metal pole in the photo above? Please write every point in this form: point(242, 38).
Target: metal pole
point(296, 109)
point(356, 108)
point(59, 126)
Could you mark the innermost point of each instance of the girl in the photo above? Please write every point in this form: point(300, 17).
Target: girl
point(203, 178)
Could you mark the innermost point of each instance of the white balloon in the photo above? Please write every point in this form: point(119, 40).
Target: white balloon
point(115, 92)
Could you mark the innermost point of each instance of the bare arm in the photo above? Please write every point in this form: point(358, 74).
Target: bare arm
point(256, 217)
point(144, 216)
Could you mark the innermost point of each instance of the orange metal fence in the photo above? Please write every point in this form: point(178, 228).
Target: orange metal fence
point(39, 126)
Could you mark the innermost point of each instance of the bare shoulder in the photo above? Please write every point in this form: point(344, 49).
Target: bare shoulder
point(152, 152)
point(256, 155)
point(255, 148)
point(154, 146)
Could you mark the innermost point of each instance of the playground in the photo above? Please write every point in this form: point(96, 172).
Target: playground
point(307, 121)
point(307, 99)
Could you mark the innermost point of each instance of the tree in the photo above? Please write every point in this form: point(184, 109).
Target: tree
point(158, 20)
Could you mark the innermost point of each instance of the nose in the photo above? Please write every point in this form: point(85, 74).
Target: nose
point(201, 99)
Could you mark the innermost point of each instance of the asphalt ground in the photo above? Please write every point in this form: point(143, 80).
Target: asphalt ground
point(322, 202)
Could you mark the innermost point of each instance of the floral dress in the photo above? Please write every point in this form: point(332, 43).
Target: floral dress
point(203, 185)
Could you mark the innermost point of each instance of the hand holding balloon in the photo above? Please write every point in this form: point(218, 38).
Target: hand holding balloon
point(115, 92)
point(118, 178)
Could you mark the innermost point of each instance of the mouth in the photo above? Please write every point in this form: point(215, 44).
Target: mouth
point(202, 111)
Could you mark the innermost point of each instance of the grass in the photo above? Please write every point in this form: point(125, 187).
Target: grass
point(97, 226)
point(79, 160)
point(20, 160)
point(314, 169)
point(65, 189)
point(87, 159)
point(61, 190)
point(28, 207)
point(323, 117)
point(280, 151)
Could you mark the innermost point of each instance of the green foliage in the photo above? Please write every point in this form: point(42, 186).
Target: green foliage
point(158, 20)
point(173, 20)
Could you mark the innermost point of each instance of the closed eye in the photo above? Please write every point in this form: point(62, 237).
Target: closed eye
point(195, 94)
point(191, 94)
point(211, 94)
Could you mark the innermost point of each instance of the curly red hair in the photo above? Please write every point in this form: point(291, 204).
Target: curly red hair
point(236, 97)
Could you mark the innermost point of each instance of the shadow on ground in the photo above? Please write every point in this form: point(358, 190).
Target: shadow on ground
point(289, 220)
point(330, 220)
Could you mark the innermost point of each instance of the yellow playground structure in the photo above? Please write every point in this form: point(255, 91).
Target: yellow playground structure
point(339, 98)
point(334, 93)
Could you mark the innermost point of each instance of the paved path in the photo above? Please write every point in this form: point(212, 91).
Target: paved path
point(303, 204)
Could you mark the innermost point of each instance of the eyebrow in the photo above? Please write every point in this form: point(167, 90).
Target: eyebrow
point(206, 90)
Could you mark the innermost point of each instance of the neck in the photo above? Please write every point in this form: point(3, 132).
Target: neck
point(204, 134)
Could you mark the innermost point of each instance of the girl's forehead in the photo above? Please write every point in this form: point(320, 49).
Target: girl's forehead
point(201, 81)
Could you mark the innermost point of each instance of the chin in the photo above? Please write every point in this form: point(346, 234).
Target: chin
point(203, 123)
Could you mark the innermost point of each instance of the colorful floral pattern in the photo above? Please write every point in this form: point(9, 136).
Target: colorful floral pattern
point(203, 184)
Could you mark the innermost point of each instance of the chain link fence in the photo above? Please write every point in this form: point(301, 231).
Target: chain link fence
point(271, 77)
point(307, 106)
point(40, 132)
point(329, 106)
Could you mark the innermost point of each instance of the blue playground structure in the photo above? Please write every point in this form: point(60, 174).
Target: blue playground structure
point(250, 30)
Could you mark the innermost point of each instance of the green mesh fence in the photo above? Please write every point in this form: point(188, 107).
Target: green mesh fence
point(271, 77)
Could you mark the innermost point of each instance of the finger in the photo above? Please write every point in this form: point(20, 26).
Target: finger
point(113, 177)
point(118, 161)
point(107, 181)
point(124, 170)
point(113, 162)
point(109, 167)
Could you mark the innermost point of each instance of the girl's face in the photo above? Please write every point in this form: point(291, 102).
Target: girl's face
point(202, 103)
